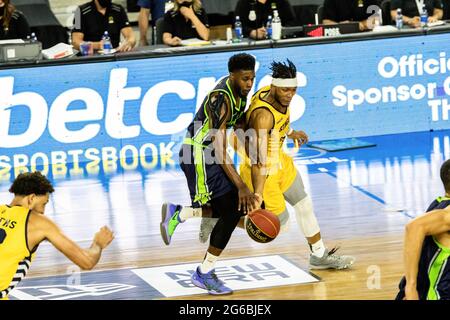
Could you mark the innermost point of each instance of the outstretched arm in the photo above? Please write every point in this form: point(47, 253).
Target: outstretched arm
point(431, 223)
point(42, 228)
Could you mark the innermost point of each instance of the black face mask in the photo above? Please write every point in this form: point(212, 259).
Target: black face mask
point(185, 4)
point(2, 11)
point(105, 3)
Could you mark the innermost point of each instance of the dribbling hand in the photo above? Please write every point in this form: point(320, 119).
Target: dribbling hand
point(247, 200)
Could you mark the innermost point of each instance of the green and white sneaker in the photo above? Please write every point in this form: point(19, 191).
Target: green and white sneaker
point(330, 260)
point(170, 214)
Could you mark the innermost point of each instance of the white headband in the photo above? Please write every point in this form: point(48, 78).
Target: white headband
point(291, 82)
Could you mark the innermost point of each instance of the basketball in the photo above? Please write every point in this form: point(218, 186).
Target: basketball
point(262, 226)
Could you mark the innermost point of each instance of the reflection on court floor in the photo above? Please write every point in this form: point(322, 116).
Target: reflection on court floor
point(362, 199)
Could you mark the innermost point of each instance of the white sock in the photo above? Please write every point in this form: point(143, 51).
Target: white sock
point(318, 249)
point(209, 263)
point(189, 212)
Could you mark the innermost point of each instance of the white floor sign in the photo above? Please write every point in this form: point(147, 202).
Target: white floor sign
point(245, 273)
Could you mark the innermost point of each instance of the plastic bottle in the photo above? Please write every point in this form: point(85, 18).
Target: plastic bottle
point(424, 17)
point(276, 26)
point(399, 19)
point(106, 43)
point(238, 29)
point(33, 37)
point(269, 28)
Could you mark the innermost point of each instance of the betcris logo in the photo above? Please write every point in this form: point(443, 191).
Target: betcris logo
point(108, 124)
point(108, 116)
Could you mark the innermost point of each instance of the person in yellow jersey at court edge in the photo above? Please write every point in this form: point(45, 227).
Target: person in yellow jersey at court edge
point(23, 226)
point(268, 171)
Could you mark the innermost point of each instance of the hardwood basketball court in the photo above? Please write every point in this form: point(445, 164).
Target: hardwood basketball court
point(363, 198)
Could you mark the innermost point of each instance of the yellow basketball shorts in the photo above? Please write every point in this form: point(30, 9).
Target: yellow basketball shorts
point(278, 181)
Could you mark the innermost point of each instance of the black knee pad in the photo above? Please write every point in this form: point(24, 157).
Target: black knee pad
point(226, 209)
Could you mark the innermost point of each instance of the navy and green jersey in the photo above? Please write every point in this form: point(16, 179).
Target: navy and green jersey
point(433, 278)
point(199, 128)
point(206, 178)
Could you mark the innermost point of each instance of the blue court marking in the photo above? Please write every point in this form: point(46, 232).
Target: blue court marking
point(367, 193)
point(406, 214)
point(371, 195)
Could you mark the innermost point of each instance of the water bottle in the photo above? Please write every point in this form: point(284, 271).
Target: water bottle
point(399, 19)
point(33, 37)
point(424, 17)
point(106, 43)
point(269, 28)
point(238, 29)
point(276, 26)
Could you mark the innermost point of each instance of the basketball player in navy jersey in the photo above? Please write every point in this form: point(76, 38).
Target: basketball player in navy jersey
point(213, 181)
point(427, 249)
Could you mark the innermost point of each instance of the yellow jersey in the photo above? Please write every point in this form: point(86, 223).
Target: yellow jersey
point(15, 257)
point(279, 131)
point(280, 169)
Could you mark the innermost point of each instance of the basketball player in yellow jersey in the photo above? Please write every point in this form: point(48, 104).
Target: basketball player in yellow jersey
point(23, 227)
point(271, 173)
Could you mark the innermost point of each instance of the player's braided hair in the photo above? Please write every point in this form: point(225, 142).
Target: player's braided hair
point(283, 70)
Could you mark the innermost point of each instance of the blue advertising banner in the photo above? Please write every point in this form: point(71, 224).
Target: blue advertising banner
point(133, 114)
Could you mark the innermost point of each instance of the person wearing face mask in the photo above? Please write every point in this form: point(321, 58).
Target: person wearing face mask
point(23, 226)
point(411, 10)
point(186, 20)
point(92, 19)
point(344, 11)
point(254, 15)
point(13, 24)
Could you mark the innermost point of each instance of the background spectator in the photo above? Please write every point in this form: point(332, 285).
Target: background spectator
point(263, 8)
point(92, 19)
point(342, 11)
point(156, 8)
point(411, 13)
point(13, 24)
point(186, 20)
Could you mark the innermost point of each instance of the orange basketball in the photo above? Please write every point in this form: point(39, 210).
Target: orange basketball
point(262, 225)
